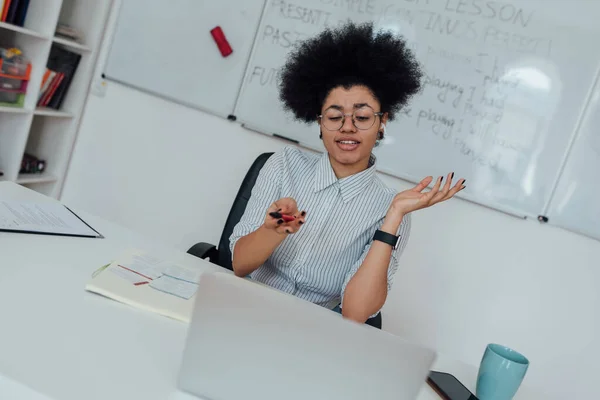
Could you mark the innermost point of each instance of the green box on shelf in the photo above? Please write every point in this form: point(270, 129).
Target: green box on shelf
point(19, 101)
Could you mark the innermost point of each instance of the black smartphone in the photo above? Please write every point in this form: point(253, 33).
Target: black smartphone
point(448, 387)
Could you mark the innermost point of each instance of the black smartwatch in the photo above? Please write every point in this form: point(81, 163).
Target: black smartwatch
point(388, 238)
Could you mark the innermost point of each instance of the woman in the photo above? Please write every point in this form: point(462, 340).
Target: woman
point(342, 250)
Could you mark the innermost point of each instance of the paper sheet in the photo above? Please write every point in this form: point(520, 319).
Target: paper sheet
point(42, 218)
point(185, 274)
point(129, 276)
point(174, 286)
point(149, 266)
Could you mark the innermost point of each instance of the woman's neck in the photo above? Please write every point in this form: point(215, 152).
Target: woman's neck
point(345, 170)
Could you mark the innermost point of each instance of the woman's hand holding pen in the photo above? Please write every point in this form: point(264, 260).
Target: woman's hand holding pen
point(283, 216)
point(252, 250)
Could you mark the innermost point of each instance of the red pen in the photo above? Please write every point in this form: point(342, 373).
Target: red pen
point(135, 272)
point(285, 217)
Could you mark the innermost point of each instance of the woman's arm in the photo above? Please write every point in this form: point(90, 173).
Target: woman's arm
point(367, 290)
point(252, 250)
point(257, 235)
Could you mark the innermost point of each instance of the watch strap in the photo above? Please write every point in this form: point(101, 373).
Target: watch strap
point(388, 238)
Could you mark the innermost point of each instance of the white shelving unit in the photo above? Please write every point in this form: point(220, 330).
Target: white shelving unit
point(46, 133)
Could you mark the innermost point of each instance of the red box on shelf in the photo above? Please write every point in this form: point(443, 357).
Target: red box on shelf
point(15, 69)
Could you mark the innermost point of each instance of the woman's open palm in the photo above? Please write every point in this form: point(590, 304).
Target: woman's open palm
point(415, 199)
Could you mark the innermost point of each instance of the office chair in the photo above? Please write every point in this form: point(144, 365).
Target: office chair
point(221, 255)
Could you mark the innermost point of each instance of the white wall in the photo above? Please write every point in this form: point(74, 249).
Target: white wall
point(469, 276)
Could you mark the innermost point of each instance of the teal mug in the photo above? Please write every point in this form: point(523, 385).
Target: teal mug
point(500, 373)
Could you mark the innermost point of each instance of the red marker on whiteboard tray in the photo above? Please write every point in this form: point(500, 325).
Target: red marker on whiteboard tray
point(221, 41)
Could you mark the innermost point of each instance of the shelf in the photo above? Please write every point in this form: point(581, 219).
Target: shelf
point(50, 112)
point(44, 132)
point(14, 110)
point(20, 29)
point(35, 178)
point(70, 43)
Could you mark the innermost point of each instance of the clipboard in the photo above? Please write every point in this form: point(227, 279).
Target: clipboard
point(52, 219)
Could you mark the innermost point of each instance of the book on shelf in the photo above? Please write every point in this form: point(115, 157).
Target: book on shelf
point(14, 11)
point(60, 70)
point(67, 32)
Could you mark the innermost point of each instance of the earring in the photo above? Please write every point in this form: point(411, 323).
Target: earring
point(381, 132)
point(320, 134)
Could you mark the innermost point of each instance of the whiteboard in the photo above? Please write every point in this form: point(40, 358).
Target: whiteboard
point(575, 205)
point(165, 47)
point(505, 87)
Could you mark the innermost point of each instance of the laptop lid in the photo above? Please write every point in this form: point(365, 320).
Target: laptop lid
point(248, 341)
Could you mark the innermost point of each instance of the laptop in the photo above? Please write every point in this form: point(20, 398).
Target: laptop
point(15, 390)
point(248, 341)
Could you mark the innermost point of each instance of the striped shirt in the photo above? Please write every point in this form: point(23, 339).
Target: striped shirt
point(317, 262)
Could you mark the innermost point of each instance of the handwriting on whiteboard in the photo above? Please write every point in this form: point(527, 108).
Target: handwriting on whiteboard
point(473, 20)
point(466, 91)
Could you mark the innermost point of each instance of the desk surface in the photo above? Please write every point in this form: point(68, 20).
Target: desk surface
point(67, 344)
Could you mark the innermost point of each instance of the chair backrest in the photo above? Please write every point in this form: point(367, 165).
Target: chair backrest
point(237, 210)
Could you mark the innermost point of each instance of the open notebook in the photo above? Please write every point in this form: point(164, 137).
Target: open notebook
point(149, 283)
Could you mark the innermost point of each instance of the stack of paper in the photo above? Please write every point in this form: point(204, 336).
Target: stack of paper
point(150, 283)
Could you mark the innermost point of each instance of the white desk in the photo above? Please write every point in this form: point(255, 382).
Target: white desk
point(67, 344)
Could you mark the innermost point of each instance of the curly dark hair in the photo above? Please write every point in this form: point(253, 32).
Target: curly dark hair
point(351, 55)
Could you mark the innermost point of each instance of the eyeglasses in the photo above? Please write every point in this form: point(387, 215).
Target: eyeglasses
point(362, 118)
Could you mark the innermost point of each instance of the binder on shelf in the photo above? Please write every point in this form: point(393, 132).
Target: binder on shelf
point(21, 13)
point(5, 9)
point(14, 11)
point(60, 70)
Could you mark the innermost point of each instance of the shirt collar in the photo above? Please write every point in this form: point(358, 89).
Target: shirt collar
point(350, 186)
